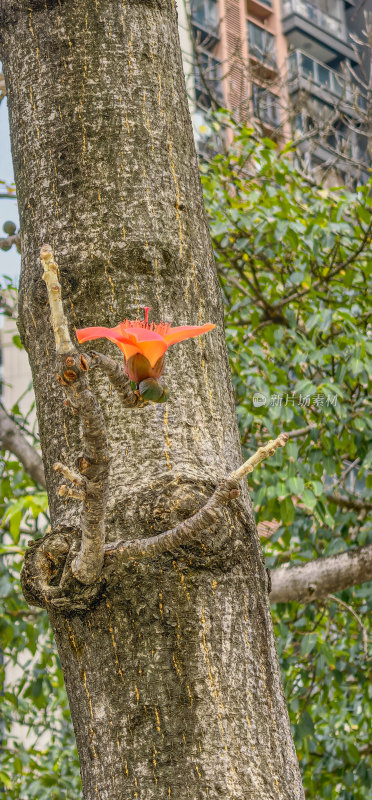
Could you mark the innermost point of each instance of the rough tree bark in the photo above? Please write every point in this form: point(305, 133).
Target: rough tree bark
point(170, 663)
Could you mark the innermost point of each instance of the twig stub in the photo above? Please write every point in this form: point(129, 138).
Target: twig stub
point(58, 319)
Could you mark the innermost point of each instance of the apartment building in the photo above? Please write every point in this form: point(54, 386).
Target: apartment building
point(285, 65)
point(320, 63)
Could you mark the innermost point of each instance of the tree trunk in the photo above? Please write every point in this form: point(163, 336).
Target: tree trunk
point(171, 673)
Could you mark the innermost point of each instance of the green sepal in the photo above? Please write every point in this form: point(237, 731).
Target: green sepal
point(164, 397)
point(150, 389)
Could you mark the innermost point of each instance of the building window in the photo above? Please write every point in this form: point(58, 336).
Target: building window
point(261, 44)
point(205, 13)
point(334, 8)
point(265, 106)
point(344, 142)
point(307, 67)
point(208, 84)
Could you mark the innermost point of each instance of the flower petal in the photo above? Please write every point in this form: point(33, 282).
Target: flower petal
point(134, 338)
point(153, 350)
point(129, 350)
point(147, 342)
point(186, 332)
point(139, 334)
point(116, 335)
point(86, 334)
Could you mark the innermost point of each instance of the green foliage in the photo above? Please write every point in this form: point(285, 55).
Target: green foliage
point(38, 753)
point(294, 262)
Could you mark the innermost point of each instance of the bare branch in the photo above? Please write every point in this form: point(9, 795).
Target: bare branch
point(298, 432)
point(13, 440)
point(263, 452)
point(94, 464)
point(182, 533)
point(22, 613)
point(346, 472)
point(321, 577)
point(349, 502)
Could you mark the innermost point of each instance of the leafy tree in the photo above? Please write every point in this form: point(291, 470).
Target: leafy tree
point(38, 752)
point(294, 261)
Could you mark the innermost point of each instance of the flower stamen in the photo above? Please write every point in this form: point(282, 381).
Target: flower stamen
point(146, 310)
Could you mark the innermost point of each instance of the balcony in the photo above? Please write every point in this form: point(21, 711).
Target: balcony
point(204, 19)
point(261, 9)
point(208, 84)
point(316, 15)
point(310, 75)
point(309, 28)
point(344, 145)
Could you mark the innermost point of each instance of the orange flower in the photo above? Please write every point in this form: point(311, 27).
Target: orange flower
point(143, 343)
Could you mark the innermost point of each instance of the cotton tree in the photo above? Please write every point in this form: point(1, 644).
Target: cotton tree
point(168, 655)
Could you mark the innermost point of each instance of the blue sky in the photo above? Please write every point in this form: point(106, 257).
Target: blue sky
point(10, 262)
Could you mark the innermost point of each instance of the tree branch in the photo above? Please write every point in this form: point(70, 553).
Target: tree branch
point(92, 488)
point(183, 533)
point(194, 526)
point(349, 502)
point(117, 378)
point(297, 432)
point(94, 464)
point(343, 265)
point(321, 577)
point(13, 440)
